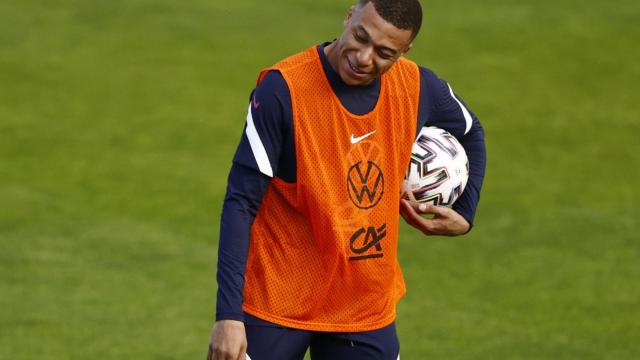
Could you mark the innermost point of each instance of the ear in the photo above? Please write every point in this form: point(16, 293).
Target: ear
point(349, 16)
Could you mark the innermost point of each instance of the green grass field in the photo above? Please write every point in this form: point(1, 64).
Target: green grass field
point(118, 121)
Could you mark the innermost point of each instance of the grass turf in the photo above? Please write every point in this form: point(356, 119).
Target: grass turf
point(118, 121)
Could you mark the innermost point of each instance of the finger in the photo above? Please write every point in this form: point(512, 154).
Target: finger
point(217, 355)
point(448, 222)
point(412, 216)
point(432, 209)
point(243, 352)
point(407, 218)
point(414, 205)
point(406, 210)
point(412, 212)
point(415, 219)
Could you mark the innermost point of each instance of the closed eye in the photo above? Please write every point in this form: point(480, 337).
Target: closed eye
point(384, 55)
point(359, 38)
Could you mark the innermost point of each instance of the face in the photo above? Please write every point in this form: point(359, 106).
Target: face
point(368, 46)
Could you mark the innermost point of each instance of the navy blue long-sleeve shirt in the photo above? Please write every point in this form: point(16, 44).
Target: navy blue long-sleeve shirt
point(267, 149)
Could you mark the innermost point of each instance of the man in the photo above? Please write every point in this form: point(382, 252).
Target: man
point(310, 219)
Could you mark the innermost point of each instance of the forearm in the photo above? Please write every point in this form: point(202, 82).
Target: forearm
point(474, 145)
point(232, 259)
point(246, 188)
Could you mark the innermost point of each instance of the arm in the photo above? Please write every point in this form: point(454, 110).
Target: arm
point(440, 107)
point(256, 161)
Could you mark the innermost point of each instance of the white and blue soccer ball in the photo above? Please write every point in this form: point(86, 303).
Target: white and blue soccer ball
point(439, 168)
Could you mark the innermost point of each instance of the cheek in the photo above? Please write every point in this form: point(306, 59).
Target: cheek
point(383, 66)
point(349, 45)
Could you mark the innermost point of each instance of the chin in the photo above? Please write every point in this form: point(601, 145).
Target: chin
point(354, 82)
point(350, 81)
point(360, 82)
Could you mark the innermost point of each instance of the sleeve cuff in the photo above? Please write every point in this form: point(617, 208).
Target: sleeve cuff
point(230, 316)
point(466, 217)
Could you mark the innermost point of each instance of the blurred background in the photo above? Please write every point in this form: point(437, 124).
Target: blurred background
point(119, 120)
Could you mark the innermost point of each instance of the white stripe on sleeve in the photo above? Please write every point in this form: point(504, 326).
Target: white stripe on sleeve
point(465, 112)
point(257, 147)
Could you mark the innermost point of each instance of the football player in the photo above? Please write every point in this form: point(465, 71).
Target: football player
point(307, 258)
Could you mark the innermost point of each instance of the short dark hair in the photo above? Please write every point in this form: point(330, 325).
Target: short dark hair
point(403, 14)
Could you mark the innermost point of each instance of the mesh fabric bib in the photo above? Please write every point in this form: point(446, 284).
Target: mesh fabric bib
point(323, 251)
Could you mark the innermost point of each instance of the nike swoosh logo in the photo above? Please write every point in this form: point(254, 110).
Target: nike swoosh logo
point(355, 140)
point(256, 103)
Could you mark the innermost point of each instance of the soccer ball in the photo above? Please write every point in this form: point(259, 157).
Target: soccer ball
point(439, 168)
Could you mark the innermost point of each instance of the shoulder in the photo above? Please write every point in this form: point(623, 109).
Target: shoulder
point(444, 108)
point(271, 95)
point(294, 65)
point(272, 84)
point(434, 87)
point(428, 75)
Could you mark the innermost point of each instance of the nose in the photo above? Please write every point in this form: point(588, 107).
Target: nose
point(364, 57)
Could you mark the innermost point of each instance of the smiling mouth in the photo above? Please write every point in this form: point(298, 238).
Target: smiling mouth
point(355, 69)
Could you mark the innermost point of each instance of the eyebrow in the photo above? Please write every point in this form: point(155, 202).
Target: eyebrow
point(381, 47)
